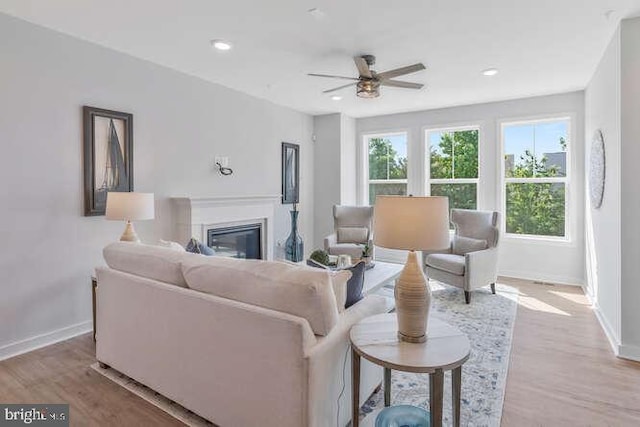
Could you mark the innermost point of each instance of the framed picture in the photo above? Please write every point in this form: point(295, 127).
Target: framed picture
point(108, 156)
point(290, 173)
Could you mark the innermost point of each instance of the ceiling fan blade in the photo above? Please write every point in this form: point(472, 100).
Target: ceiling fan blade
point(401, 71)
point(363, 67)
point(406, 85)
point(338, 88)
point(333, 77)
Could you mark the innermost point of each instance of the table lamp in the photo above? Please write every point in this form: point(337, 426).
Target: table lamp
point(413, 224)
point(129, 206)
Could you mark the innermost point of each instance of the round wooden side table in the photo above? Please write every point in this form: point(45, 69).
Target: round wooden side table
point(375, 339)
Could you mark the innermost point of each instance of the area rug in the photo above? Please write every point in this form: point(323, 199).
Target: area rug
point(488, 322)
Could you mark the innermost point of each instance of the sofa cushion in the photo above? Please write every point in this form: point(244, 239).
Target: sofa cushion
point(450, 263)
point(463, 245)
point(340, 280)
point(153, 262)
point(294, 289)
point(352, 234)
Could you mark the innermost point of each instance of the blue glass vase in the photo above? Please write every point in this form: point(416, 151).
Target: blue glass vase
point(294, 246)
point(403, 415)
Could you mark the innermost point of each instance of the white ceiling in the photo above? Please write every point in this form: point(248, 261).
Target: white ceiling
point(539, 46)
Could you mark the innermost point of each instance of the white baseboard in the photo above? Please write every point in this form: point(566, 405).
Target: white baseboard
point(542, 277)
point(612, 336)
point(630, 352)
point(39, 341)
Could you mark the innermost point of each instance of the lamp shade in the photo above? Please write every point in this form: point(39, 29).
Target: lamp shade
point(411, 223)
point(129, 206)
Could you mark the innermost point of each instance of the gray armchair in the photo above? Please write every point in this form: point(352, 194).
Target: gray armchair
point(352, 231)
point(472, 259)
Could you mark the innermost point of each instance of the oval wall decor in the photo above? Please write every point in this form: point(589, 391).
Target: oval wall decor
point(597, 170)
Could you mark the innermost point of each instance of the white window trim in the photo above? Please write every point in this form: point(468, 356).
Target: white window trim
point(569, 205)
point(427, 167)
point(364, 162)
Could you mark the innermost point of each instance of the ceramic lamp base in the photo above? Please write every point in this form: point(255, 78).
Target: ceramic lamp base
point(413, 300)
point(129, 234)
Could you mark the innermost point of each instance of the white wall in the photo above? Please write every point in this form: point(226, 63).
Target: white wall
point(327, 167)
point(612, 103)
point(630, 211)
point(602, 226)
point(556, 262)
point(48, 248)
point(334, 169)
point(348, 160)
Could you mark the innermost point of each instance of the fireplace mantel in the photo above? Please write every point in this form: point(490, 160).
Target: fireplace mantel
point(195, 215)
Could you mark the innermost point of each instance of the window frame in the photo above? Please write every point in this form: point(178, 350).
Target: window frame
point(364, 196)
point(569, 210)
point(427, 167)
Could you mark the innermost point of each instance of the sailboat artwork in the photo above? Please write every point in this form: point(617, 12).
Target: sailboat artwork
point(108, 156)
point(115, 174)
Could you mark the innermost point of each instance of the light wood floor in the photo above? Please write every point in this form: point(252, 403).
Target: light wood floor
point(562, 373)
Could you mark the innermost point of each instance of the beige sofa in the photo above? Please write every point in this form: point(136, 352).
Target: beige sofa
point(266, 345)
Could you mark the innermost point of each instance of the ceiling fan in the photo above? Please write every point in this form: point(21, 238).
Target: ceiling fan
point(369, 82)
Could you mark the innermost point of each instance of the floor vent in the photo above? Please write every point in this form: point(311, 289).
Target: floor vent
point(538, 282)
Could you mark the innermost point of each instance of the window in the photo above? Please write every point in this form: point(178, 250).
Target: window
point(387, 165)
point(536, 177)
point(453, 166)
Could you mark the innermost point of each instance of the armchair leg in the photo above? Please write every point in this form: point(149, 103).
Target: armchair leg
point(493, 288)
point(467, 297)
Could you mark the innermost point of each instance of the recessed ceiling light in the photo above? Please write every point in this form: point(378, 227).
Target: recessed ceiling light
point(490, 72)
point(336, 97)
point(221, 44)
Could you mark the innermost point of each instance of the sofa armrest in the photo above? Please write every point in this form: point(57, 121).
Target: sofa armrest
point(330, 240)
point(329, 364)
point(368, 306)
point(481, 268)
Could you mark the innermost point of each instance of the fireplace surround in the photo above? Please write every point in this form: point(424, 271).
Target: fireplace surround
point(197, 216)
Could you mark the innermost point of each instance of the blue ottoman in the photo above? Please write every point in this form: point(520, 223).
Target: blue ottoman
point(403, 416)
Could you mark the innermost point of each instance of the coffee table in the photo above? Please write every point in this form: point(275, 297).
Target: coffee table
point(446, 348)
point(383, 274)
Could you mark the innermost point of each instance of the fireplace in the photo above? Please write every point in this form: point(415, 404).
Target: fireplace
point(240, 241)
point(198, 216)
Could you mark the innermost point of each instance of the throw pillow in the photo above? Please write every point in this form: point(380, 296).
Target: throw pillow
point(352, 234)
point(463, 245)
point(171, 245)
point(355, 284)
point(195, 247)
point(339, 280)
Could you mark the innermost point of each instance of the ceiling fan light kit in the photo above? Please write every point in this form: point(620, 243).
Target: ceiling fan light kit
point(369, 81)
point(368, 89)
